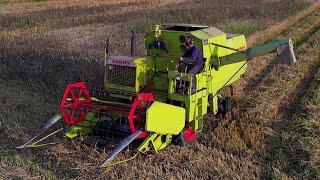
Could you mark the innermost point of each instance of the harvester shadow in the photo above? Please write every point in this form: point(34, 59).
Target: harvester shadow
point(255, 82)
point(289, 112)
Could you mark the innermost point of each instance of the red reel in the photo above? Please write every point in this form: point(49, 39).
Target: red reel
point(137, 112)
point(75, 103)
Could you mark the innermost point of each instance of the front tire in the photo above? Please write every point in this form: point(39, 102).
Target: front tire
point(188, 136)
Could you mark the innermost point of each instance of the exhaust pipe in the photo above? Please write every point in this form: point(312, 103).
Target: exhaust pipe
point(133, 44)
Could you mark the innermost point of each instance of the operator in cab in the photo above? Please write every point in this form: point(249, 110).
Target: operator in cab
point(191, 59)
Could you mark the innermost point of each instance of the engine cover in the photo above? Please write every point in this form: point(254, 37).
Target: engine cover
point(124, 73)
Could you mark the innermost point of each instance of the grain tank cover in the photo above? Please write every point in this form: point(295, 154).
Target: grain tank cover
point(168, 39)
point(183, 27)
point(198, 31)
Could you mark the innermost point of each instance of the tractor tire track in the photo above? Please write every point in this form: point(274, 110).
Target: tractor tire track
point(298, 39)
point(261, 37)
point(243, 111)
point(309, 34)
point(228, 120)
point(289, 110)
point(289, 102)
point(294, 109)
point(302, 25)
point(312, 37)
point(238, 124)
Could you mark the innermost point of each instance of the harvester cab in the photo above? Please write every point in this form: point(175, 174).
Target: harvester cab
point(147, 98)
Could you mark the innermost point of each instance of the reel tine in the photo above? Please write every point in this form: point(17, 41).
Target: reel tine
point(46, 126)
point(124, 143)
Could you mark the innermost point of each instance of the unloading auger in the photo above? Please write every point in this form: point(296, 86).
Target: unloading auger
point(145, 97)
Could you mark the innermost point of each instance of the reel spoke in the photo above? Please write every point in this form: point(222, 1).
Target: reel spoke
point(137, 112)
point(75, 103)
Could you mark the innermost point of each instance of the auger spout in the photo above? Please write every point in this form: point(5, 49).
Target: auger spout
point(283, 47)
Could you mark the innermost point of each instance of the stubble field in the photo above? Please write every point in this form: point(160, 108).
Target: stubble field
point(273, 133)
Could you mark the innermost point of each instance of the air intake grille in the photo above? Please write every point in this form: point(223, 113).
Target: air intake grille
point(121, 75)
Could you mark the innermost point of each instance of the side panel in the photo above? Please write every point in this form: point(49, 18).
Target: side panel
point(197, 105)
point(162, 66)
point(236, 42)
point(224, 74)
point(164, 118)
point(211, 50)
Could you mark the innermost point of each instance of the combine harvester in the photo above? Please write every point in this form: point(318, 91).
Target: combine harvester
point(145, 97)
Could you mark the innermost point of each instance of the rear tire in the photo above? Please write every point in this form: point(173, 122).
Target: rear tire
point(227, 105)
